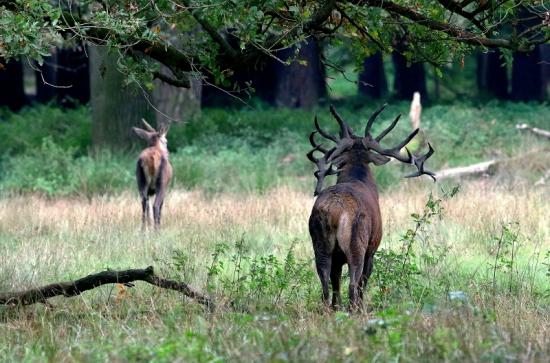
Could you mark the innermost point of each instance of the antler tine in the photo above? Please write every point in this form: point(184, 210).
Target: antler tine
point(319, 147)
point(419, 163)
point(373, 117)
point(388, 130)
point(322, 132)
point(344, 128)
point(147, 126)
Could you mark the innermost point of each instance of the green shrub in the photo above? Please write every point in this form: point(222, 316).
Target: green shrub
point(24, 131)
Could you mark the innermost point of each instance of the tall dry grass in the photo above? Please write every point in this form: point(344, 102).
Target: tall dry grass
point(45, 240)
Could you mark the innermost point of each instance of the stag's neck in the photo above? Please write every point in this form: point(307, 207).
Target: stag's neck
point(356, 173)
point(162, 148)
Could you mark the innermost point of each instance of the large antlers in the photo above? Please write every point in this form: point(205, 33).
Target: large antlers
point(332, 158)
point(374, 144)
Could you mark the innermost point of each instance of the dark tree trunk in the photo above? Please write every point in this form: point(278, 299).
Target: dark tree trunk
point(372, 79)
point(301, 84)
point(115, 107)
point(492, 76)
point(408, 78)
point(528, 82)
point(64, 77)
point(12, 91)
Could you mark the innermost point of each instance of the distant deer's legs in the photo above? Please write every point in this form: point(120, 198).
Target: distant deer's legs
point(157, 207)
point(323, 263)
point(145, 211)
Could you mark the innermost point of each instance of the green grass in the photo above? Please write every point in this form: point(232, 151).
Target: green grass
point(267, 146)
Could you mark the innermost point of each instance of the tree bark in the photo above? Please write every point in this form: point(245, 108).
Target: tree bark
point(302, 83)
point(528, 83)
point(409, 78)
point(76, 287)
point(12, 92)
point(115, 107)
point(372, 79)
point(492, 75)
point(64, 77)
point(175, 103)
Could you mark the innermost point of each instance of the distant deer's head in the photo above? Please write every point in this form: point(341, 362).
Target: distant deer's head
point(152, 136)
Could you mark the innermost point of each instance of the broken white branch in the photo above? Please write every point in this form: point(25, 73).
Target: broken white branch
point(537, 131)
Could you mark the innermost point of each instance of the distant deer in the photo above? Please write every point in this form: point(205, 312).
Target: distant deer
point(153, 170)
point(345, 224)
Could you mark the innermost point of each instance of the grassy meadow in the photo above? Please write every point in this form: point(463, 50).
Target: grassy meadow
point(463, 273)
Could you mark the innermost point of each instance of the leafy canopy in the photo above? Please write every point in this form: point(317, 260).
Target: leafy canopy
point(215, 38)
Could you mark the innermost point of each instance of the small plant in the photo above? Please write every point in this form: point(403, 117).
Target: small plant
point(400, 269)
point(506, 253)
point(264, 280)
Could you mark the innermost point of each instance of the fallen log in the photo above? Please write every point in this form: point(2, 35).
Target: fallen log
point(76, 287)
point(474, 169)
point(537, 131)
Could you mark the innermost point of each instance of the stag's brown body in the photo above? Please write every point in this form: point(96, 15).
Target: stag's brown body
point(345, 224)
point(153, 171)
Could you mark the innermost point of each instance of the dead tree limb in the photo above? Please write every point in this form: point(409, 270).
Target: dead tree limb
point(76, 287)
point(537, 131)
point(474, 169)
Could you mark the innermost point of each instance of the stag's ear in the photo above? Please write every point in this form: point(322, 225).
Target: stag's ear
point(378, 159)
point(142, 133)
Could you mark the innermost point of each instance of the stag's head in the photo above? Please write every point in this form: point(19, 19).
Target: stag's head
point(152, 136)
point(351, 149)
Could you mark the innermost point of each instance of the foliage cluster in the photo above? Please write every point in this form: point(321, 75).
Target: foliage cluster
point(266, 148)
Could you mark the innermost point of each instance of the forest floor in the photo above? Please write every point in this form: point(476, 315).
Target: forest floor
point(462, 275)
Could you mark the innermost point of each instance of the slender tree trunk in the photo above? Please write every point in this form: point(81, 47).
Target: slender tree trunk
point(492, 75)
point(372, 79)
point(528, 82)
point(115, 107)
point(12, 92)
point(64, 77)
point(302, 83)
point(409, 78)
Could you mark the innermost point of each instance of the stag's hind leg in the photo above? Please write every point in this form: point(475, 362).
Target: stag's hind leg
point(338, 260)
point(367, 271)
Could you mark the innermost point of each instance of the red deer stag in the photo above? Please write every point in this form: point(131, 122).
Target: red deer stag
point(153, 170)
point(345, 224)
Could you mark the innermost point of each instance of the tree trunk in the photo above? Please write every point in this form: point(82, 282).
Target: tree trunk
point(64, 77)
point(115, 107)
point(372, 80)
point(298, 85)
point(12, 92)
point(174, 103)
point(302, 83)
point(408, 78)
point(528, 82)
point(492, 75)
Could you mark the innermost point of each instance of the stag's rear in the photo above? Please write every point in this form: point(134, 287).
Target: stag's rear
point(345, 224)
